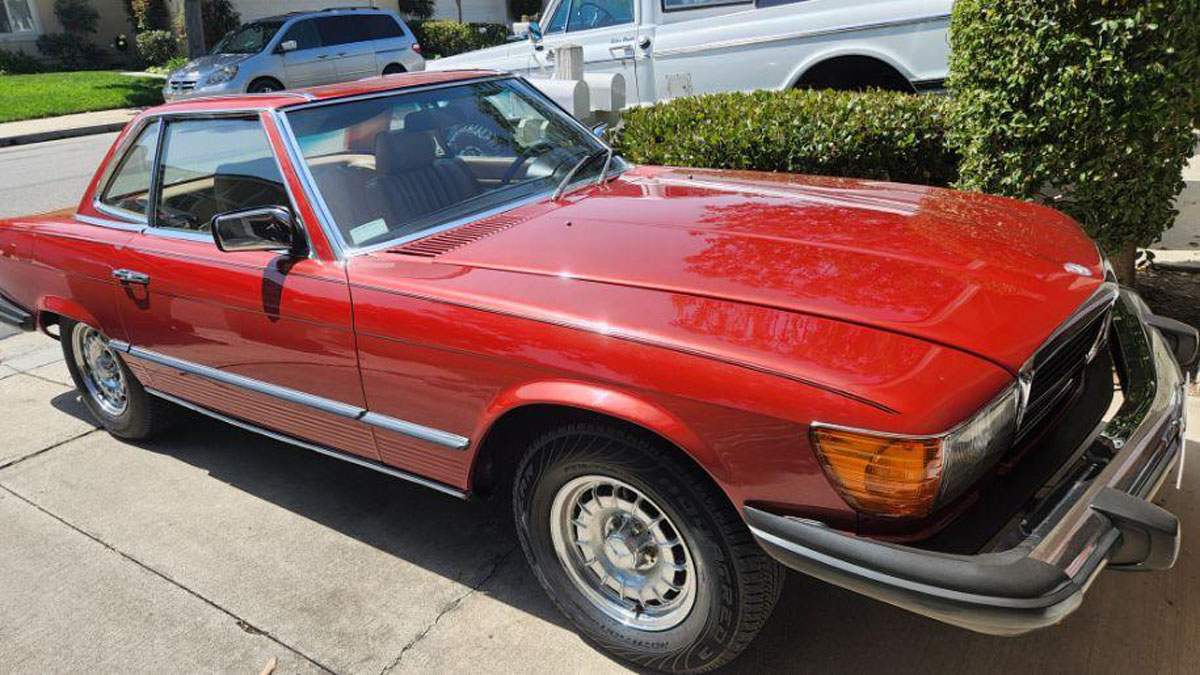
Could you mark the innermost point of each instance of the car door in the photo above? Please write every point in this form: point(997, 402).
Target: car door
point(262, 337)
point(310, 63)
point(606, 29)
point(350, 37)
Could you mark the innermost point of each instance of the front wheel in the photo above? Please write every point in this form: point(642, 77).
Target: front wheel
point(640, 550)
point(264, 86)
point(110, 391)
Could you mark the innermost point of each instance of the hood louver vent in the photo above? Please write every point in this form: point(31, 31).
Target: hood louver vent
point(444, 242)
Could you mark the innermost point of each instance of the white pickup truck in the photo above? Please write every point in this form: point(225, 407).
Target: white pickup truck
point(670, 48)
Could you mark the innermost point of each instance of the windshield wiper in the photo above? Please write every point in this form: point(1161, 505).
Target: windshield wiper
point(562, 186)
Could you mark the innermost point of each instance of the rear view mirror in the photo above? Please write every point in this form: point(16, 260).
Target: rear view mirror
point(535, 31)
point(288, 46)
point(262, 229)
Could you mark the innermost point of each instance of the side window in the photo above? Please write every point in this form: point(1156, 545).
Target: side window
point(305, 35)
point(340, 30)
point(383, 27)
point(589, 14)
point(210, 167)
point(677, 5)
point(558, 20)
point(129, 188)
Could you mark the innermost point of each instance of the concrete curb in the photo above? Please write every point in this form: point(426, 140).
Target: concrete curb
point(56, 134)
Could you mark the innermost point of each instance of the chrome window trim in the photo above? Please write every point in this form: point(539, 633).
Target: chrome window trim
point(329, 452)
point(338, 408)
point(111, 224)
point(329, 224)
point(798, 35)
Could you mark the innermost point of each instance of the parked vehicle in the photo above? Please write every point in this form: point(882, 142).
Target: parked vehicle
point(678, 376)
point(671, 48)
point(301, 49)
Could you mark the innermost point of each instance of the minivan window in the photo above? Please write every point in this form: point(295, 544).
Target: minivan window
point(305, 34)
point(382, 27)
point(249, 39)
point(130, 184)
point(215, 166)
point(599, 14)
point(340, 30)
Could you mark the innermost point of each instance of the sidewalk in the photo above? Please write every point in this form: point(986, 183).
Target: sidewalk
point(66, 126)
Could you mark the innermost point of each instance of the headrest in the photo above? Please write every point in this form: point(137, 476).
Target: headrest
point(429, 119)
point(401, 151)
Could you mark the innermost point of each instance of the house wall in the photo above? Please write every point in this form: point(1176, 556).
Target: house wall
point(493, 11)
point(113, 22)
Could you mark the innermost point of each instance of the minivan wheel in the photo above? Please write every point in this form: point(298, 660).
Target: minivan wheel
point(110, 391)
point(394, 69)
point(639, 550)
point(264, 85)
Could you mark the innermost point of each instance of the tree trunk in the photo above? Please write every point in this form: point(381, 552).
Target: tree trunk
point(1124, 265)
point(193, 23)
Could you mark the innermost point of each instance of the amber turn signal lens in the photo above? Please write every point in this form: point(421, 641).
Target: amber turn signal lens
point(883, 476)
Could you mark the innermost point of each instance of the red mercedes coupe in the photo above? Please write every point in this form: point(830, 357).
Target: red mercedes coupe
point(684, 380)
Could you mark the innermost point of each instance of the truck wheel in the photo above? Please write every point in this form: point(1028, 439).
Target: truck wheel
point(109, 390)
point(640, 550)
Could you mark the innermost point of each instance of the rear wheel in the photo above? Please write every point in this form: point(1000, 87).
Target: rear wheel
point(640, 550)
point(394, 69)
point(110, 391)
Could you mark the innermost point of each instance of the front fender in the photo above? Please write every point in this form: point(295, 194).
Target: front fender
point(610, 401)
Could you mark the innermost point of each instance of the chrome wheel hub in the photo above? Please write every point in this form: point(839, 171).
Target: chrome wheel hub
point(623, 553)
point(101, 372)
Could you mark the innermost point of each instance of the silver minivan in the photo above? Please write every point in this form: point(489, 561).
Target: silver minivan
point(302, 49)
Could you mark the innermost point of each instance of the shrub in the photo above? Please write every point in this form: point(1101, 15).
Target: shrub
point(72, 52)
point(220, 17)
point(18, 63)
point(523, 8)
point(1086, 105)
point(149, 14)
point(875, 134)
point(447, 38)
point(157, 47)
point(416, 9)
point(76, 16)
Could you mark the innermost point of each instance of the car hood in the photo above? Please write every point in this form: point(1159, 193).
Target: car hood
point(480, 58)
point(988, 276)
point(207, 64)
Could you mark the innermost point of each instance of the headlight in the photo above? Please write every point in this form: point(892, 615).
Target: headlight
point(222, 75)
point(904, 476)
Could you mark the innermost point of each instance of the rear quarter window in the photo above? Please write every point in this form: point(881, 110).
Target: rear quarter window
point(383, 27)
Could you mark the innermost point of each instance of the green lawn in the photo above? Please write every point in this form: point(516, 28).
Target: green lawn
point(24, 97)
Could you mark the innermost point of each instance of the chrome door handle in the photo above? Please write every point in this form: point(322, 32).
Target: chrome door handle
point(131, 277)
point(322, 56)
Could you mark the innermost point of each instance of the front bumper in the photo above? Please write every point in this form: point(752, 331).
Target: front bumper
point(175, 93)
point(1099, 519)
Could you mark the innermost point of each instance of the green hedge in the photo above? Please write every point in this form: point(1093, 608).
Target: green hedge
point(1089, 106)
point(447, 38)
point(17, 62)
point(157, 47)
point(878, 135)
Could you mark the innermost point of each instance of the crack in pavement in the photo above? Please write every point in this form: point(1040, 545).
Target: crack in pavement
point(242, 623)
point(48, 448)
point(449, 607)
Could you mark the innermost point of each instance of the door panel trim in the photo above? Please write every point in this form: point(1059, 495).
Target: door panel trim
point(404, 427)
point(329, 452)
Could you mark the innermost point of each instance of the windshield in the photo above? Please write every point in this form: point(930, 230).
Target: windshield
point(249, 39)
point(398, 166)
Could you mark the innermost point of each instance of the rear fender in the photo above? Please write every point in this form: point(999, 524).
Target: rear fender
point(65, 308)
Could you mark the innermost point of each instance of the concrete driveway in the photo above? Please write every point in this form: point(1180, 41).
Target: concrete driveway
point(215, 550)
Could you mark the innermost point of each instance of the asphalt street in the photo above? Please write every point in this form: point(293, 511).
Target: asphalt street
point(214, 550)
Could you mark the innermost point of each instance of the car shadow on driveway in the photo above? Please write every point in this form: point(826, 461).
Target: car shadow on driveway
point(1129, 621)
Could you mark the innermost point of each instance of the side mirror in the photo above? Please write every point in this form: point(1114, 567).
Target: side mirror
point(535, 31)
point(600, 130)
point(269, 228)
point(288, 46)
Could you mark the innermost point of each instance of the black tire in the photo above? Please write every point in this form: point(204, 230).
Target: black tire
point(394, 69)
point(264, 85)
point(737, 584)
point(144, 415)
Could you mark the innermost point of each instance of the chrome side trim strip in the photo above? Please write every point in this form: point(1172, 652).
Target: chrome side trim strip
point(329, 452)
point(798, 35)
point(399, 426)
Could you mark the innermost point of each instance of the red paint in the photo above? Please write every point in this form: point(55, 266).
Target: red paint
point(724, 311)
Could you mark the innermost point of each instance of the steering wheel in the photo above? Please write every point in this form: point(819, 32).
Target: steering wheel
point(539, 148)
point(599, 14)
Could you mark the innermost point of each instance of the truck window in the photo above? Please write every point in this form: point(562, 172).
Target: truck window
point(591, 14)
point(680, 5)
